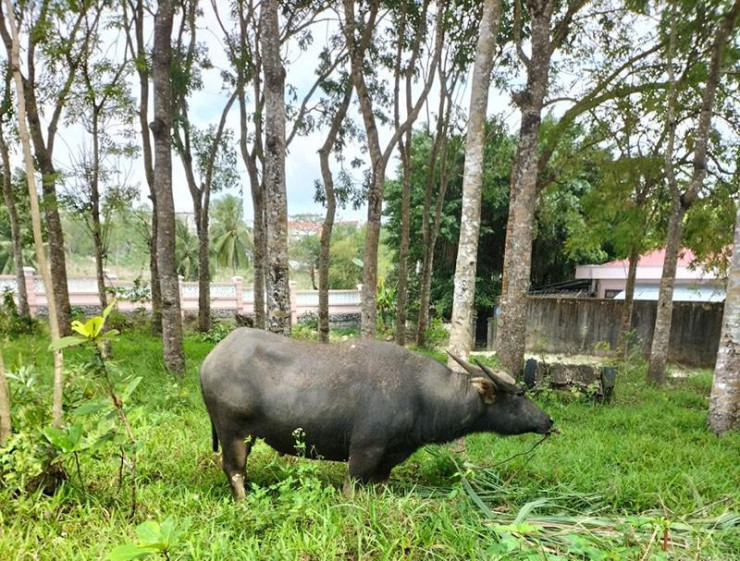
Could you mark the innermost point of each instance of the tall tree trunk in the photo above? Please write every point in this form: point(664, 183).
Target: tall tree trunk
point(15, 230)
point(55, 235)
point(404, 150)
point(278, 297)
point(523, 193)
point(724, 404)
point(6, 426)
point(139, 56)
point(403, 253)
point(258, 226)
point(204, 274)
point(25, 138)
point(331, 208)
point(368, 298)
point(97, 233)
point(681, 202)
point(161, 128)
point(377, 186)
point(379, 157)
point(467, 252)
point(629, 302)
point(57, 259)
point(251, 160)
point(425, 285)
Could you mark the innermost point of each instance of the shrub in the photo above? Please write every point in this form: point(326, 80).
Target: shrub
point(217, 333)
point(436, 334)
point(13, 324)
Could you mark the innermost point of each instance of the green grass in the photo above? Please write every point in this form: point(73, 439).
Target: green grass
point(613, 485)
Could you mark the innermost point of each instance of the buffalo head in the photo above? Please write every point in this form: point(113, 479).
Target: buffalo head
point(508, 410)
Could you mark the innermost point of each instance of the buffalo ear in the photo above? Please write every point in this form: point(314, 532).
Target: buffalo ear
point(485, 389)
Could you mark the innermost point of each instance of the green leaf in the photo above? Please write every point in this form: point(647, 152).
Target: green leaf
point(108, 309)
point(130, 388)
point(109, 335)
point(82, 329)
point(171, 532)
point(92, 407)
point(129, 551)
point(64, 342)
point(150, 534)
point(58, 438)
point(527, 508)
point(74, 433)
point(477, 500)
point(94, 325)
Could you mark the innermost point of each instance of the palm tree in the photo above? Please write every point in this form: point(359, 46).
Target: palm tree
point(186, 251)
point(231, 237)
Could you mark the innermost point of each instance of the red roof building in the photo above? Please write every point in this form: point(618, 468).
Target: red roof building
point(693, 282)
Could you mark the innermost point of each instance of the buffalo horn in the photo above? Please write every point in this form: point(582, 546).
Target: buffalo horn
point(478, 371)
point(469, 368)
point(500, 378)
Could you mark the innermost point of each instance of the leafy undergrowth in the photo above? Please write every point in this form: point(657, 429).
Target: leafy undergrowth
point(638, 479)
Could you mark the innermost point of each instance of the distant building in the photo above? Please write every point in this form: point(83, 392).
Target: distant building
point(298, 229)
point(693, 283)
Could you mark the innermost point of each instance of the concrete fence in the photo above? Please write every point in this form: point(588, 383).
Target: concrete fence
point(586, 325)
point(227, 298)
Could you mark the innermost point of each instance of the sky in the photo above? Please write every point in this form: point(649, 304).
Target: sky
point(302, 162)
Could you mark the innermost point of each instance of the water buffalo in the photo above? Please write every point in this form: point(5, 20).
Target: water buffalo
point(366, 402)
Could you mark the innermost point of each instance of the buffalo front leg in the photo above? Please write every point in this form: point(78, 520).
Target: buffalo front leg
point(235, 451)
point(387, 463)
point(363, 462)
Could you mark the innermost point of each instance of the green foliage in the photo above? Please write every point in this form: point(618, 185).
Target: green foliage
point(304, 332)
point(385, 302)
point(229, 234)
point(12, 323)
point(560, 213)
point(160, 540)
point(217, 333)
point(186, 251)
point(436, 334)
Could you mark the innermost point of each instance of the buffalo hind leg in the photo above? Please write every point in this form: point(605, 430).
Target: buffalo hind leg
point(235, 451)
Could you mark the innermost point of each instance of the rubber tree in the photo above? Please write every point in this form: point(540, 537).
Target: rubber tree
point(6, 113)
point(467, 252)
point(161, 128)
point(681, 201)
point(724, 403)
point(57, 43)
point(359, 30)
point(544, 39)
point(12, 39)
point(133, 14)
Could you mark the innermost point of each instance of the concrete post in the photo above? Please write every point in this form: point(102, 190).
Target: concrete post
point(28, 276)
point(238, 293)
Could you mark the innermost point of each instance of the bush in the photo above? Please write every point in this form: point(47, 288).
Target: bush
point(217, 333)
point(309, 319)
point(436, 334)
point(304, 332)
point(13, 324)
